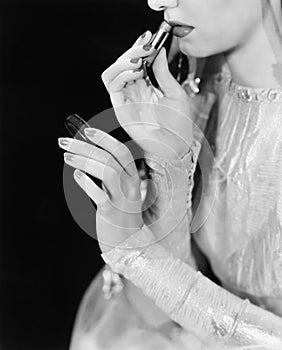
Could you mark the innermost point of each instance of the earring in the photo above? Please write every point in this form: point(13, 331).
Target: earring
point(112, 283)
point(192, 81)
point(182, 67)
point(179, 67)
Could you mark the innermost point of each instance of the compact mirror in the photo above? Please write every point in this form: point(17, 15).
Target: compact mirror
point(76, 125)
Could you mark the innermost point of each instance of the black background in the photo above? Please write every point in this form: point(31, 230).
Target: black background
point(52, 56)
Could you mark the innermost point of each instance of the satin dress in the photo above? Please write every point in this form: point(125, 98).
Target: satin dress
point(235, 218)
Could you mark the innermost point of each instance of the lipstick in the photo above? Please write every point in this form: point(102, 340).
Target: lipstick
point(157, 41)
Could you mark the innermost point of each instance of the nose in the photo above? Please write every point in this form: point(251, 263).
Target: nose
point(161, 5)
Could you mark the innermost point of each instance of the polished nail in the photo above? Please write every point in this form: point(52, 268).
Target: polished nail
point(68, 157)
point(63, 141)
point(90, 132)
point(138, 70)
point(135, 60)
point(147, 47)
point(143, 35)
point(78, 173)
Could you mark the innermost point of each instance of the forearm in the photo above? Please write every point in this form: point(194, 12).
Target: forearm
point(167, 206)
point(166, 210)
point(191, 299)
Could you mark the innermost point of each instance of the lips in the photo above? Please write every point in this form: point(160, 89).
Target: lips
point(180, 29)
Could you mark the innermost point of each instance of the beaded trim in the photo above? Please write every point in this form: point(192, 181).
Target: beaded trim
point(247, 94)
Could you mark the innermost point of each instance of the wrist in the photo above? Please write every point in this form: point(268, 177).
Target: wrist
point(118, 256)
point(118, 238)
point(184, 160)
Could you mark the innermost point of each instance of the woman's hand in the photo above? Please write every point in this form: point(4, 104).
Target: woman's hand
point(157, 119)
point(119, 207)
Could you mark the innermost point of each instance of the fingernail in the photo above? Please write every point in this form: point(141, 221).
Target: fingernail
point(143, 35)
point(138, 69)
point(147, 47)
point(68, 157)
point(63, 141)
point(90, 132)
point(135, 60)
point(78, 173)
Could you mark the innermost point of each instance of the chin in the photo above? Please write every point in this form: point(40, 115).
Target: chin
point(189, 49)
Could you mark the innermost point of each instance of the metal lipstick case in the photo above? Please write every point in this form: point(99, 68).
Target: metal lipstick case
point(157, 41)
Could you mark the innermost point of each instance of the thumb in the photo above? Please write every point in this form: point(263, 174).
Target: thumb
point(168, 84)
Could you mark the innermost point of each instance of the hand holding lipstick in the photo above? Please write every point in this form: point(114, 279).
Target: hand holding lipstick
point(158, 119)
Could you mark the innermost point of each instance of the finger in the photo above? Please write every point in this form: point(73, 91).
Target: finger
point(137, 51)
point(137, 46)
point(144, 38)
point(123, 78)
point(118, 98)
point(108, 175)
point(89, 151)
point(118, 67)
point(90, 188)
point(117, 149)
point(169, 86)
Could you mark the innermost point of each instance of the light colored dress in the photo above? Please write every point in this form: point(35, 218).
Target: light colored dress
point(236, 222)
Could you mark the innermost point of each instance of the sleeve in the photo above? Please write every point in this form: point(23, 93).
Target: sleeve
point(192, 300)
point(167, 206)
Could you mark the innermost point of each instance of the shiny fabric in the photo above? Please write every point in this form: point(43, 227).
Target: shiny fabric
point(238, 227)
point(242, 236)
point(191, 299)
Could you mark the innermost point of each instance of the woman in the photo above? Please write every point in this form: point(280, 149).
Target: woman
point(165, 303)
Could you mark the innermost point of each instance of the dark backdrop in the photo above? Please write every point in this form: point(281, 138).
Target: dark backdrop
point(52, 56)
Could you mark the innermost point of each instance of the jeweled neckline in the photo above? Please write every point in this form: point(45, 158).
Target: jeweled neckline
point(245, 93)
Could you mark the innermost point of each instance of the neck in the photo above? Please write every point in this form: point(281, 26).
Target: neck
point(256, 64)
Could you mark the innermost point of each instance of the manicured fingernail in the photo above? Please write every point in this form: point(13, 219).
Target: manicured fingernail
point(138, 70)
point(135, 60)
point(90, 132)
point(63, 141)
point(147, 47)
point(68, 157)
point(143, 35)
point(78, 173)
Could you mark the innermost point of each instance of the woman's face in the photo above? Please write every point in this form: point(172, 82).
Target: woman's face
point(219, 25)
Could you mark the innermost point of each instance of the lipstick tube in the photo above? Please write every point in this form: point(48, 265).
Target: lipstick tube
point(157, 41)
